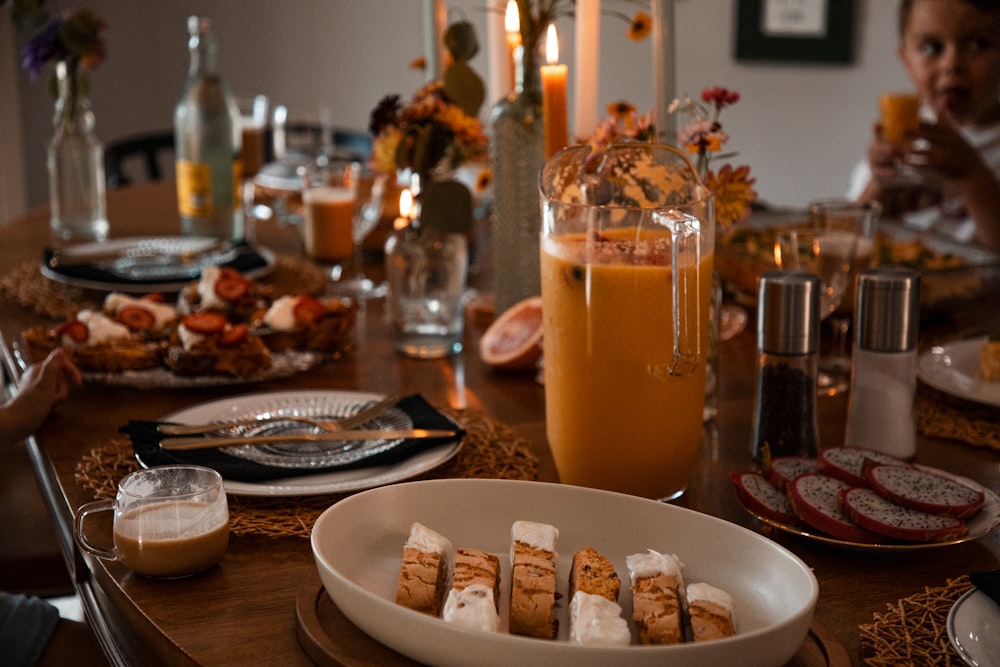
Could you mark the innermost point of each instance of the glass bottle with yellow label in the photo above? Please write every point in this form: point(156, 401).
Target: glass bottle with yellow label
point(207, 137)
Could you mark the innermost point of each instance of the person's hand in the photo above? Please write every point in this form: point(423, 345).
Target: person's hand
point(940, 149)
point(883, 156)
point(42, 386)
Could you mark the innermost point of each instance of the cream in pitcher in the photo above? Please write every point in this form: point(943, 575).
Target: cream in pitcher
point(626, 283)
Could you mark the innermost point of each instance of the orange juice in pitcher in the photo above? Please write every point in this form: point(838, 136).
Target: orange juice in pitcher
point(626, 295)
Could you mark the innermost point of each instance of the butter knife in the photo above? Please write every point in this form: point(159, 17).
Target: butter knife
point(179, 444)
point(137, 252)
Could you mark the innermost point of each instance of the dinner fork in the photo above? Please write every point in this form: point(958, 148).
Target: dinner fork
point(359, 418)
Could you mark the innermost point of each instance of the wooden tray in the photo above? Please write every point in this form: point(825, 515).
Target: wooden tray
point(331, 640)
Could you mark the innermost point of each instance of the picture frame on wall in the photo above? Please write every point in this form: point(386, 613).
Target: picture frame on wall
point(795, 31)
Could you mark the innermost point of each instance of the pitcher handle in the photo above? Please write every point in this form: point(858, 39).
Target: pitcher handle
point(685, 234)
point(81, 539)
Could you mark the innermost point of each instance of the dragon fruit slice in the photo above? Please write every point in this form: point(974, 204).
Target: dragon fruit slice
point(784, 469)
point(847, 463)
point(923, 490)
point(869, 510)
point(762, 498)
point(814, 498)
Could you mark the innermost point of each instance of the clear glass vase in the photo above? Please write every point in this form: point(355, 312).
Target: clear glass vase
point(517, 152)
point(427, 268)
point(76, 165)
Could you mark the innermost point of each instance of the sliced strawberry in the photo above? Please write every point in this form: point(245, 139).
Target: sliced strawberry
point(75, 330)
point(205, 323)
point(232, 288)
point(136, 318)
point(307, 309)
point(233, 335)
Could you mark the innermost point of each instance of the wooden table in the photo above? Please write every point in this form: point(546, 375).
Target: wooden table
point(243, 612)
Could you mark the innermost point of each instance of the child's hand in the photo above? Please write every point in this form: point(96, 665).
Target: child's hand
point(42, 386)
point(939, 148)
point(883, 156)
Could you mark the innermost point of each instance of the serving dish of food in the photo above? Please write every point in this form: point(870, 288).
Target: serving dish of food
point(951, 272)
point(773, 591)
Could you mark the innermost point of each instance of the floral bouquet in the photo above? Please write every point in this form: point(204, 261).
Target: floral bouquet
point(436, 132)
point(703, 136)
point(74, 38)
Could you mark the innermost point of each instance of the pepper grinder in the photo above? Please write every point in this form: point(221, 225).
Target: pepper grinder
point(788, 348)
point(884, 362)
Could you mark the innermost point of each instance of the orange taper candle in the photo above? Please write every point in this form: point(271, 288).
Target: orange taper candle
point(554, 96)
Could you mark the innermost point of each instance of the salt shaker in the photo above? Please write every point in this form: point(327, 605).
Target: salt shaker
point(884, 362)
point(787, 346)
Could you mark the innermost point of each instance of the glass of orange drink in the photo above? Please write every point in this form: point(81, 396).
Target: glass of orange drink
point(899, 114)
point(626, 263)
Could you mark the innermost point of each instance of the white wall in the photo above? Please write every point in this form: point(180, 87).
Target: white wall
point(800, 127)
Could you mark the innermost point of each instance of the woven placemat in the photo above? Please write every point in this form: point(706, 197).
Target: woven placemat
point(26, 285)
point(490, 450)
point(914, 630)
point(940, 415)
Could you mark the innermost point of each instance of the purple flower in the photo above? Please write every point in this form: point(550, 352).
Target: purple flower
point(42, 48)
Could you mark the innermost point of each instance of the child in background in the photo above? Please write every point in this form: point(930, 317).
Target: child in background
point(951, 51)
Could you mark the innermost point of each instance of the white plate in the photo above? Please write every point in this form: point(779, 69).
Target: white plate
point(358, 546)
point(323, 483)
point(954, 369)
point(123, 276)
point(980, 525)
point(974, 629)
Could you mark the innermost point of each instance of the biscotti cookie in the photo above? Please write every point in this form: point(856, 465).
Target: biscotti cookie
point(593, 573)
point(711, 612)
point(657, 591)
point(594, 614)
point(423, 576)
point(474, 598)
point(533, 580)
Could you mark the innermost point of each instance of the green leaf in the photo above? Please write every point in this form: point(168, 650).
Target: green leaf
point(447, 206)
point(464, 87)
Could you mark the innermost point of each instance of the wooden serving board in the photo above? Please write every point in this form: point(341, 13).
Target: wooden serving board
point(331, 640)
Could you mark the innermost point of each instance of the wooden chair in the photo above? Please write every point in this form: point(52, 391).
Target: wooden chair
point(154, 152)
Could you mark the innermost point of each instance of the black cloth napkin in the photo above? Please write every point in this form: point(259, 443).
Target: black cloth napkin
point(246, 260)
point(987, 582)
point(146, 442)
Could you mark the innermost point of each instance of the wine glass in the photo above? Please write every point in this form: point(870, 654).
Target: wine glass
point(367, 214)
point(829, 253)
point(861, 219)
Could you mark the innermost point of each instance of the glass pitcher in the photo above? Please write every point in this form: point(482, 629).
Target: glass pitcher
point(627, 243)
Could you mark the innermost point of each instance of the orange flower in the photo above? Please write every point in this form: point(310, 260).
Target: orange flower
point(734, 193)
point(639, 27)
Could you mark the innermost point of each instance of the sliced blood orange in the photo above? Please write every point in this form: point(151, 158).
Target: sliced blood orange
point(514, 340)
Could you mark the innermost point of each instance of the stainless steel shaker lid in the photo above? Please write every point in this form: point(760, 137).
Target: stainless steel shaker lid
point(788, 312)
point(887, 309)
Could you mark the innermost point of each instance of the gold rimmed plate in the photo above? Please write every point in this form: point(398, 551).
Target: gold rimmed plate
point(979, 525)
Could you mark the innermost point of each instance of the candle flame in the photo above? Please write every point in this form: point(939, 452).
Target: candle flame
point(512, 20)
point(552, 45)
point(405, 203)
